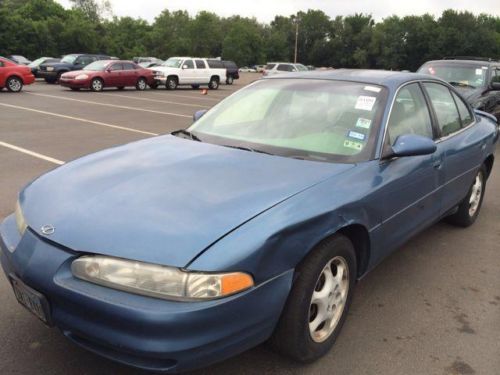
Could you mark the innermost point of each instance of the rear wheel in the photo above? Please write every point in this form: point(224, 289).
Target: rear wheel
point(229, 80)
point(141, 84)
point(318, 302)
point(171, 83)
point(14, 84)
point(214, 83)
point(96, 85)
point(469, 208)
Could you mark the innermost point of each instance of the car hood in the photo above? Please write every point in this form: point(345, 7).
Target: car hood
point(164, 199)
point(76, 73)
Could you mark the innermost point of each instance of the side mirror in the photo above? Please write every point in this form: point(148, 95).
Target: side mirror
point(198, 114)
point(184, 66)
point(413, 145)
point(495, 85)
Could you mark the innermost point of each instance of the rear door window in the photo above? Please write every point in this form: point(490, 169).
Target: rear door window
point(116, 67)
point(270, 66)
point(200, 64)
point(444, 107)
point(188, 64)
point(285, 68)
point(463, 110)
point(128, 66)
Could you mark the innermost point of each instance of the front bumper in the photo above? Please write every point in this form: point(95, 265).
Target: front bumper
point(135, 330)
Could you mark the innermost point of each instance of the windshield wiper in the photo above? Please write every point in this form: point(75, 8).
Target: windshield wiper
point(244, 148)
point(461, 84)
point(187, 133)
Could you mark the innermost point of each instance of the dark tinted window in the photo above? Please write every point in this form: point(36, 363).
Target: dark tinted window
point(463, 110)
point(445, 108)
point(200, 64)
point(270, 66)
point(409, 114)
point(85, 60)
point(215, 64)
point(129, 66)
point(188, 64)
point(230, 65)
point(116, 67)
point(495, 74)
point(285, 68)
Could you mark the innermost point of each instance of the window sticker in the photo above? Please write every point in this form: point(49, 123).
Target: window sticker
point(363, 123)
point(354, 145)
point(479, 72)
point(484, 67)
point(356, 135)
point(372, 88)
point(365, 103)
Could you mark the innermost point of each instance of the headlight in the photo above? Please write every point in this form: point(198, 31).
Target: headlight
point(81, 76)
point(158, 281)
point(21, 224)
point(50, 69)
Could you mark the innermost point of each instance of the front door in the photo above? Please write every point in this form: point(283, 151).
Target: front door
point(113, 75)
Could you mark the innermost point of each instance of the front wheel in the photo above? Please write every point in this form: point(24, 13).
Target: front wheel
point(171, 83)
point(318, 302)
point(14, 84)
point(469, 208)
point(96, 85)
point(213, 84)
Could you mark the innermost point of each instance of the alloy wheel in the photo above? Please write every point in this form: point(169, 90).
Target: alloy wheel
point(476, 194)
point(15, 85)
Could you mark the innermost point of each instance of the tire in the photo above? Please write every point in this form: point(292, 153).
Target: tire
point(214, 83)
point(96, 85)
point(468, 209)
point(74, 88)
point(171, 83)
point(195, 87)
point(59, 76)
point(14, 84)
point(141, 84)
point(229, 80)
point(294, 336)
point(120, 88)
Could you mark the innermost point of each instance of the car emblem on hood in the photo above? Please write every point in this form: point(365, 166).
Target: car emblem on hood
point(48, 229)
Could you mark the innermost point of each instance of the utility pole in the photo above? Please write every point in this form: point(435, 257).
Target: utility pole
point(296, 39)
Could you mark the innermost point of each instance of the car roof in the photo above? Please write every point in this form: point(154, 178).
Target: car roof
point(457, 61)
point(376, 77)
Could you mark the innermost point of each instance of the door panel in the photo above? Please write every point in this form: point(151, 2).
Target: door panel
point(202, 72)
point(113, 77)
point(188, 75)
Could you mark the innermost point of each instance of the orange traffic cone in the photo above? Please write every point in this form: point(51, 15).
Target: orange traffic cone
point(204, 91)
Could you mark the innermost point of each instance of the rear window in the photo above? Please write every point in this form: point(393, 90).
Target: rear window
point(270, 66)
point(215, 64)
point(285, 68)
point(230, 65)
point(129, 66)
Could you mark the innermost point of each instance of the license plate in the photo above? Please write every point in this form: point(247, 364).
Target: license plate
point(31, 300)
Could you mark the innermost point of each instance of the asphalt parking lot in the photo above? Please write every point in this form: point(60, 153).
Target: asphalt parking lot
point(431, 308)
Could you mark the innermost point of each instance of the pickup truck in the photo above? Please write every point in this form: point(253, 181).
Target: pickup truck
point(52, 71)
point(192, 71)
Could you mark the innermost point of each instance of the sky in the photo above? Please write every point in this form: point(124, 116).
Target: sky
point(265, 10)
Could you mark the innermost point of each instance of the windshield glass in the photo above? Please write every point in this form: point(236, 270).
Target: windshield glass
point(173, 63)
point(97, 66)
point(37, 62)
point(69, 59)
point(313, 119)
point(466, 75)
point(301, 67)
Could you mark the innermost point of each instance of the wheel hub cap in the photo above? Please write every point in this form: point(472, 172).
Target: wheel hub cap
point(328, 299)
point(476, 193)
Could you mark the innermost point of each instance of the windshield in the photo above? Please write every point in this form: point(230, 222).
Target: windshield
point(69, 59)
point(37, 62)
point(301, 68)
point(173, 63)
point(97, 66)
point(312, 119)
point(466, 75)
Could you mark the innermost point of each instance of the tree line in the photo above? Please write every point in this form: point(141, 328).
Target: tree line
point(37, 28)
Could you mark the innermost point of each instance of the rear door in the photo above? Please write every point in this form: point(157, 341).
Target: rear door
point(188, 75)
point(129, 75)
point(462, 147)
point(202, 71)
point(410, 197)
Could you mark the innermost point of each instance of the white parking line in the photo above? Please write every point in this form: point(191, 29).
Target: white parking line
point(32, 153)
point(184, 96)
point(109, 105)
point(79, 119)
point(152, 100)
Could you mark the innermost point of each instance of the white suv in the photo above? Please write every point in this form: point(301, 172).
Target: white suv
point(282, 67)
point(192, 71)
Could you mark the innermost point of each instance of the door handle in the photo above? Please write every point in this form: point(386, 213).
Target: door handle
point(437, 164)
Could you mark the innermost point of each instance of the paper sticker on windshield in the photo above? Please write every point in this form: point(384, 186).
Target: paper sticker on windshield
point(372, 88)
point(479, 72)
point(356, 135)
point(353, 144)
point(365, 102)
point(363, 123)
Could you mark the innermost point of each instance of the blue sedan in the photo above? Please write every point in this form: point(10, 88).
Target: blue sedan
point(254, 224)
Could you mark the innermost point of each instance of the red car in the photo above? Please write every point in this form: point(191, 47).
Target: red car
point(108, 73)
point(14, 76)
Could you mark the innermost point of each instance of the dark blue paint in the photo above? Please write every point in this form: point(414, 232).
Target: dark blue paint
point(205, 207)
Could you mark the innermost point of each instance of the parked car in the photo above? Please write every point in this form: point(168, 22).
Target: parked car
point(307, 184)
point(246, 69)
point(150, 64)
point(108, 73)
point(35, 65)
point(18, 59)
point(278, 68)
point(230, 66)
point(13, 76)
point(192, 71)
point(259, 68)
point(139, 60)
point(477, 79)
point(51, 72)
